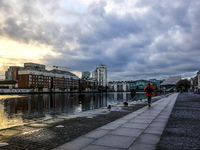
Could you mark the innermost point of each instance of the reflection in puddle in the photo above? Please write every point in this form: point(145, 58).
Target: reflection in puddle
point(17, 110)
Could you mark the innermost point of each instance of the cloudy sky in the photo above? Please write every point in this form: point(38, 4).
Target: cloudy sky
point(136, 39)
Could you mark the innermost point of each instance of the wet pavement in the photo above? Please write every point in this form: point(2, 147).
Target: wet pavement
point(138, 130)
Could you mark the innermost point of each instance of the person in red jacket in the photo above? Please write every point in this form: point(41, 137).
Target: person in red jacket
point(149, 89)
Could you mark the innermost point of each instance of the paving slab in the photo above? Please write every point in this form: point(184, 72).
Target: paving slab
point(140, 120)
point(111, 126)
point(154, 130)
point(97, 133)
point(127, 132)
point(120, 121)
point(116, 141)
point(130, 116)
point(97, 147)
point(76, 144)
point(135, 125)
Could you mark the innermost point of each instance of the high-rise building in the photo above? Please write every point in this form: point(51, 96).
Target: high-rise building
point(100, 74)
point(86, 75)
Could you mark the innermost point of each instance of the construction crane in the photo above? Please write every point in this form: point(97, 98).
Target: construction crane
point(61, 67)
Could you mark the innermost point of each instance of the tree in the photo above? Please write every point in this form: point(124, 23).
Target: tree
point(32, 86)
point(183, 85)
point(71, 88)
point(101, 88)
point(75, 88)
point(81, 88)
point(40, 87)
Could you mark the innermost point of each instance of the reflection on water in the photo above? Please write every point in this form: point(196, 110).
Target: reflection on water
point(7, 120)
point(15, 110)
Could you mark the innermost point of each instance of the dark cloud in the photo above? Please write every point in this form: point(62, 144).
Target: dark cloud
point(151, 39)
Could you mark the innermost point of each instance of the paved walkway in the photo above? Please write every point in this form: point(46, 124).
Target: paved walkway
point(139, 130)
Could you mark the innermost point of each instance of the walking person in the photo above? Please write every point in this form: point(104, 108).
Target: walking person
point(149, 89)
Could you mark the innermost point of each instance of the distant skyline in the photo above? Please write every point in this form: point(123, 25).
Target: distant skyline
point(134, 39)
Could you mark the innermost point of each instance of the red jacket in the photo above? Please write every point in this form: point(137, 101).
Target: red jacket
point(152, 89)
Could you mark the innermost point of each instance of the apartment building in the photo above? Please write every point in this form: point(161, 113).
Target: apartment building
point(100, 73)
point(63, 79)
point(34, 75)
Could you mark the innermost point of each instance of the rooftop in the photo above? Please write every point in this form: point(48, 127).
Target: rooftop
point(173, 80)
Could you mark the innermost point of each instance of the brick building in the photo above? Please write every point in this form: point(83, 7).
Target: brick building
point(36, 76)
point(196, 82)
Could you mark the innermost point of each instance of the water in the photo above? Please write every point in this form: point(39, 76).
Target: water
point(18, 109)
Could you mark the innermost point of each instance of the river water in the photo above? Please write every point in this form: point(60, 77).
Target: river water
point(18, 109)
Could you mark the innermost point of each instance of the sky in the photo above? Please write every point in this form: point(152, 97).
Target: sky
point(135, 39)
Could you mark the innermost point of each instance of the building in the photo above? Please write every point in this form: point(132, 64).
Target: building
point(158, 82)
point(170, 83)
point(139, 85)
point(12, 73)
point(63, 80)
point(34, 66)
point(86, 75)
point(100, 74)
point(88, 85)
point(191, 85)
point(198, 80)
point(34, 75)
point(119, 86)
point(8, 84)
point(127, 86)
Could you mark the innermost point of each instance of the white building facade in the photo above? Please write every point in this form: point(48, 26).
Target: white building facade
point(119, 86)
point(100, 74)
point(198, 80)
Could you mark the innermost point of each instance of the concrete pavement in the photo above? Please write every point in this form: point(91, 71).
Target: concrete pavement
point(139, 130)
